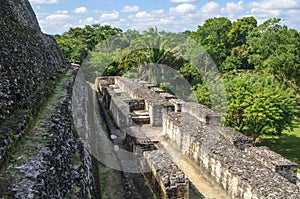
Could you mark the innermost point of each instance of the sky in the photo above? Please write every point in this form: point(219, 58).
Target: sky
point(57, 16)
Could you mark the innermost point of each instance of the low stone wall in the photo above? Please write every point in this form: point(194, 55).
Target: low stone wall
point(154, 103)
point(165, 176)
point(241, 175)
point(119, 109)
point(137, 141)
point(126, 96)
point(275, 162)
point(203, 113)
point(228, 156)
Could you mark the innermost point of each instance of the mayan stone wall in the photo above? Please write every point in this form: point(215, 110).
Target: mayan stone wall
point(154, 103)
point(241, 175)
point(119, 109)
point(165, 178)
point(274, 161)
point(19, 11)
point(165, 174)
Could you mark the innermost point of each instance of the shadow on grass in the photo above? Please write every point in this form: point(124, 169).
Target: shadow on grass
point(288, 145)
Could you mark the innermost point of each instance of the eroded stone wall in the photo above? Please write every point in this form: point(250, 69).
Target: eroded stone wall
point(165, 174)
point(240, 174)
point(30, 64)
point(63, 168)
point(165, 177)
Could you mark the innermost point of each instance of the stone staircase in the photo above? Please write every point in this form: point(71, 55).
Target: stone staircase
point(140, 117)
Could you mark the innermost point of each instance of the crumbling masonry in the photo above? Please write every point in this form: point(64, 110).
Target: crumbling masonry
point(242, 170)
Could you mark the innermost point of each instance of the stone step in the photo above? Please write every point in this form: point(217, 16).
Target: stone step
point(141, 117)
point(138, 119)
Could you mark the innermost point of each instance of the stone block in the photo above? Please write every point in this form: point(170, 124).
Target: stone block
point(275, 162)
point(203, 113)
point(169, 181)
point(236, 138)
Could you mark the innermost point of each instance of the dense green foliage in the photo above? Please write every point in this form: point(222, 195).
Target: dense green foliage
point(77, 43)
point(258, 64)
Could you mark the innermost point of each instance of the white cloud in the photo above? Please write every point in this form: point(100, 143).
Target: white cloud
point(143, 14)
point(89, 20)
point(109, 16)
point(80, 10)
point(232, 7)
point(61, 12)
point(157, 12)
point(287, 10)
point(57, 17)
point(276, 4)
point(210, 7)
point(43, 1)
point(183, 8)
point(55, 23)
point(183, 1)
point(130, 9)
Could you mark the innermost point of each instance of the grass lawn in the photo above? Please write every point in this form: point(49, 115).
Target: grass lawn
point(288, 145)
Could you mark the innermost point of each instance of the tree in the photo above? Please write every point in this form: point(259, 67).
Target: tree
point(237, 36)
point(213, 35)
point(275, 49)
point(240, 30)
point(77, 42)
point(258, 104)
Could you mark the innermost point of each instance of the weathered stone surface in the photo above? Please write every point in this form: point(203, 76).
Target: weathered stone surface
point(275, 162)
point(203, 113)
point(241, 175)
point(165, 174)
point(30, 63)
point(236, 138)
point(19, 11)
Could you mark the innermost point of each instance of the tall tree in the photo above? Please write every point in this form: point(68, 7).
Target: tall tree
point(237, 36)
point(257, 104)
point(275, 49)
point(213, 35)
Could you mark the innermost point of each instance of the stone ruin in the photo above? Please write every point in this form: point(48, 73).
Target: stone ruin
point(242, 170)
point(31, 64)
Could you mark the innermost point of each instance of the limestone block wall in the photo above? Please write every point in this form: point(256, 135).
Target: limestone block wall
point(228, 156)
point(19, 11)
point(120, 110)
point(154, 103)
point(137, 141)
point(181, 129)
point(235, 138)
point(203, 113)
point(240, 174)
point(275, 162)
point(177, 104)
point(165, 176)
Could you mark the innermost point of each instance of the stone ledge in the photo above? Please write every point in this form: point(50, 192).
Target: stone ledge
point(169, 180)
